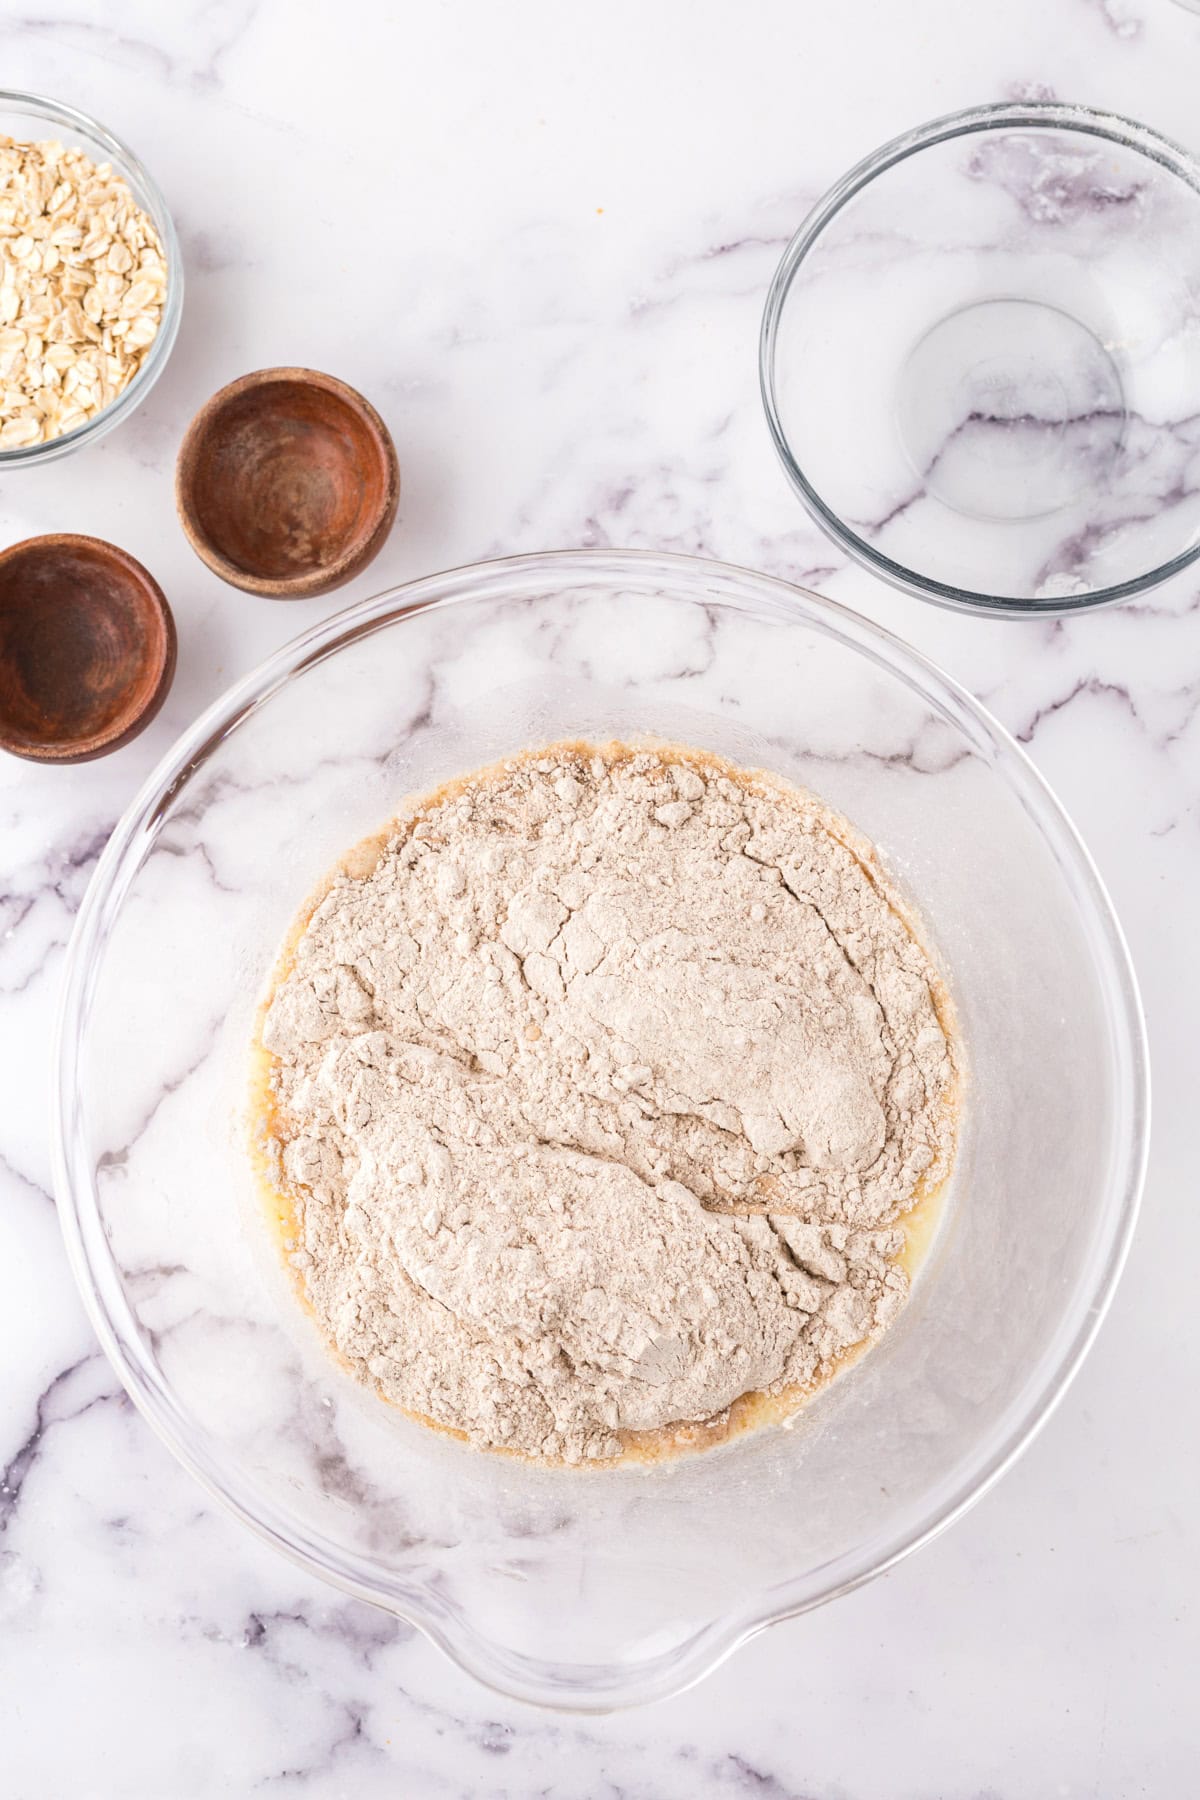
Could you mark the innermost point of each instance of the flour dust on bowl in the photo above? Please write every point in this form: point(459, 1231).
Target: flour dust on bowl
point(597, 1588)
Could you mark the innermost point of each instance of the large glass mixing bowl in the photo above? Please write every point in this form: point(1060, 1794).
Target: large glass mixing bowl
point(591, 1589)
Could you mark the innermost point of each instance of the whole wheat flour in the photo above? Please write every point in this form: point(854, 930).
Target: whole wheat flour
point(597, 1098)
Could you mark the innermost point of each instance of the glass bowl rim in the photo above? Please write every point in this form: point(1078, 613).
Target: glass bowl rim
point(72, 118)
point(1024, 114)
point(583, 1687)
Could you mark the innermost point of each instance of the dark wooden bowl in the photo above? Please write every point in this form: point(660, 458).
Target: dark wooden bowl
point(287, 483)
point(87, 648)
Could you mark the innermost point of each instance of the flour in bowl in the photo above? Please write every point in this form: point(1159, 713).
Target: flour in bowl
point(600, 1083)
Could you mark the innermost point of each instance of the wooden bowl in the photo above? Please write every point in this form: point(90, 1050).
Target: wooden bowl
point(287, 483)
point(87, 648)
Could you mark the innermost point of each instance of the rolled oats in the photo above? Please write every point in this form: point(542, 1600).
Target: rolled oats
point(83, 279)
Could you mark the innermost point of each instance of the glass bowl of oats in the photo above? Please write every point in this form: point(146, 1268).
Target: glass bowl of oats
point(593, 1585)
point(91, 282)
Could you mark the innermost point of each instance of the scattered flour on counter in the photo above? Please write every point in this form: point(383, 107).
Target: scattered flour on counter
point(600, 1082)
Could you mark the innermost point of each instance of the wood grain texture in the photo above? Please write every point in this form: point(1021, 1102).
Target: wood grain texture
point(87, 648)
point(287, 483)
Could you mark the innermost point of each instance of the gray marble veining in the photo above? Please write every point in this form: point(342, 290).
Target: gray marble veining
point(540, 241)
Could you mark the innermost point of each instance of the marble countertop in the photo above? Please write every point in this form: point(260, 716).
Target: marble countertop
point(539, 238)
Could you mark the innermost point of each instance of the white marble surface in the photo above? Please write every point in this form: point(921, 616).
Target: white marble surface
point(539, 238)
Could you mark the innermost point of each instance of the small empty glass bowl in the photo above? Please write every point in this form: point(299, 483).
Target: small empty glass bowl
point(590, 1588)
point(30, 118)
point(980, 360)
